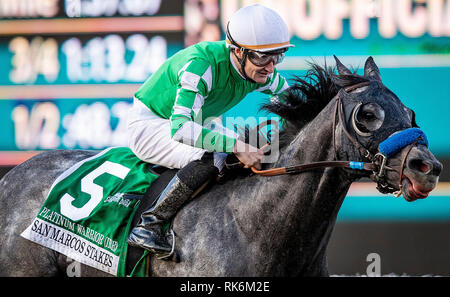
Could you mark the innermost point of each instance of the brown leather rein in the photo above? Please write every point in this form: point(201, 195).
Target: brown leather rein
point(309, 166)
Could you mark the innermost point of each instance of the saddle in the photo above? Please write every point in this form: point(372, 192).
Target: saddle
point(232, 169)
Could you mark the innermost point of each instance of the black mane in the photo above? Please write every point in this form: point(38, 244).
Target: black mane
point(307, 96)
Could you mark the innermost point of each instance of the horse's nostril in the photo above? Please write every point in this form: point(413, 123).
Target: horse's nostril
point(425, 167)
point(420, 165)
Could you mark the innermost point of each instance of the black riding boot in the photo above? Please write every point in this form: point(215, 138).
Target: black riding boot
point(148, 234)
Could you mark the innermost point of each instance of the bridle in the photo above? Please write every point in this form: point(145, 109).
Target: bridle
point(376, 162)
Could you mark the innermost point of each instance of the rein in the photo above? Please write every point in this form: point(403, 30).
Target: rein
point(314, 165)
point(377, 162)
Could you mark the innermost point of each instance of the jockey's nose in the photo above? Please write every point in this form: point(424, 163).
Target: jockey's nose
point(270, 67)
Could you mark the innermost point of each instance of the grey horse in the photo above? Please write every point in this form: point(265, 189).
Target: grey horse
point(255, 225)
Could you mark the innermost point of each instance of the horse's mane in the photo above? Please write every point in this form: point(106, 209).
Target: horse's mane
point(306, 98)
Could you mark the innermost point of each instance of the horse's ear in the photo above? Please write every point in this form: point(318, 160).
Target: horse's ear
point(371, 69)
point(342, 70)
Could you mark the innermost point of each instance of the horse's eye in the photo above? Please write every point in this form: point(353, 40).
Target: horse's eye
point(367, 118)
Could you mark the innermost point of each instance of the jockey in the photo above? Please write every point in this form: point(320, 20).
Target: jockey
point(167, 124)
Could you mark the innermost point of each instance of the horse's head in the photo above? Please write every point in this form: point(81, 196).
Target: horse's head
point(380, 129)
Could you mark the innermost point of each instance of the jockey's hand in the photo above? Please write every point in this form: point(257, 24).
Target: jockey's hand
point(249, 155)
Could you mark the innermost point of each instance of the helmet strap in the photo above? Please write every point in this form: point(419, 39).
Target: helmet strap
point(242, 62)
point(244, 55)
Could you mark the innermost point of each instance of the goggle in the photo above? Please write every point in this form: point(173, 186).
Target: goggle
point(262, 59)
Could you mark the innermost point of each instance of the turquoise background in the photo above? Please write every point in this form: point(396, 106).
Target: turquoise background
point(389, 208)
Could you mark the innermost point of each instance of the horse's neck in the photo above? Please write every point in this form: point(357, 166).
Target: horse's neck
point(298, 212)
point(315, 142)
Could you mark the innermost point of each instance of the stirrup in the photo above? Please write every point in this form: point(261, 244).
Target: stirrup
point(172, 250)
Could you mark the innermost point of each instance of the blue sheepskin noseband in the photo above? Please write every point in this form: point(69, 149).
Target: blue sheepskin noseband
point(396, 142)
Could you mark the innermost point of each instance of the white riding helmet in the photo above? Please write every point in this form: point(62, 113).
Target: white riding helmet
point(258, 28)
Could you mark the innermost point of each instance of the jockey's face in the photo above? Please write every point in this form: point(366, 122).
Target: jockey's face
point(258, 73)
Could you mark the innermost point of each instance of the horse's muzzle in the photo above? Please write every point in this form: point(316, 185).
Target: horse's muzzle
point(421, 173)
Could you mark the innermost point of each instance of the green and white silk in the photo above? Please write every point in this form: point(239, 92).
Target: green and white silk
point(197, 85)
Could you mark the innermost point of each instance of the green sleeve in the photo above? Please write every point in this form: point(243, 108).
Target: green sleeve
point(194, 84)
